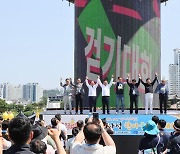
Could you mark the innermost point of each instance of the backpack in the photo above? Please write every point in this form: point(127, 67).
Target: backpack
point(152, 150)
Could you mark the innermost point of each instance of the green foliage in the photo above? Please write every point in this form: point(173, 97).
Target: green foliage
point(28, 113)
point(28, 110)
point(3, 106)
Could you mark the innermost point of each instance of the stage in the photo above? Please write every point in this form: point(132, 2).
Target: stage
point(112, 112)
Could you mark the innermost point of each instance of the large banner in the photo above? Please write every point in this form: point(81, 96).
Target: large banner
point(117, 37)
point(132, 124)
point(121, 124)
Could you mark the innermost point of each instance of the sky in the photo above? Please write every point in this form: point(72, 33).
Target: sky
point(37, 40)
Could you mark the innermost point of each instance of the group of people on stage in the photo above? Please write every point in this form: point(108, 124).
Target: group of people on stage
point(161, 89)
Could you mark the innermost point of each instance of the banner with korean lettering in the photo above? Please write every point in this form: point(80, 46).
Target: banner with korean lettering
point(117, 37)
point(132, 124)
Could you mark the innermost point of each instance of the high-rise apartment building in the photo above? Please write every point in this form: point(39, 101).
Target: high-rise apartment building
point(174, 74)
point(31, 92)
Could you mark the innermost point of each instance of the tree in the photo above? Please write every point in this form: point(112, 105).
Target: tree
point(30, 107)
point(3, 106)
point(42, 104)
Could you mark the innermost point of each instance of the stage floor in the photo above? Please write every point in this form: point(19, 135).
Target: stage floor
point(112, 112)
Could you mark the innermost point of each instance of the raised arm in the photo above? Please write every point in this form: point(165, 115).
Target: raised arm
point(99, 81)
point(106, 137)
point(127, 80)
point(154, 80)
point(139, 80)
point(72, 84)
point(80, 137)
point(54, 133)
point(143, 82)
point(96, 85)
point(87, 84)
point(111, 82)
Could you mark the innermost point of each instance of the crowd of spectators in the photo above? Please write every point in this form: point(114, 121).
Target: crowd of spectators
point(157, 140)
point(24, 136)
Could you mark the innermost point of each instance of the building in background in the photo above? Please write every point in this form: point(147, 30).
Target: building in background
point(1, 91)
point(31, 92)
point(174, 74)
point(52, 93)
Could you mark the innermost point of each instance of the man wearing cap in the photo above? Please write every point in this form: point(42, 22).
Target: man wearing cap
point(162, 90)
point(174, 141)
point(151, 142)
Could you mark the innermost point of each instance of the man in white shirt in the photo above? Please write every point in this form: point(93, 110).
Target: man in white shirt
point(92, 95)
point(92, 134)
point(105, 93)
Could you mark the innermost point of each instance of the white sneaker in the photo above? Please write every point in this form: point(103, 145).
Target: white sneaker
point(116, 113)
point(90, 113)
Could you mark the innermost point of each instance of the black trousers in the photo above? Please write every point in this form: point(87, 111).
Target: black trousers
point(163, 101)
point(79, 102)
point(105, 103)
point(133, 100)
point(92, 103)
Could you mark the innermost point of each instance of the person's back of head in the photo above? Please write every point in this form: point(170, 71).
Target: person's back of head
point(54, 122)
point(58, 117)
point(20, 130)
point(38, 147)
point(80, 124)
point(92, 133)
point(155, 119)
point(177, 125)
point(5, 124)
point(161, 124)
point(75, 131)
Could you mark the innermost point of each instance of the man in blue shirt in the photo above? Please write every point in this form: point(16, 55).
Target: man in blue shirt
point(162, 90)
